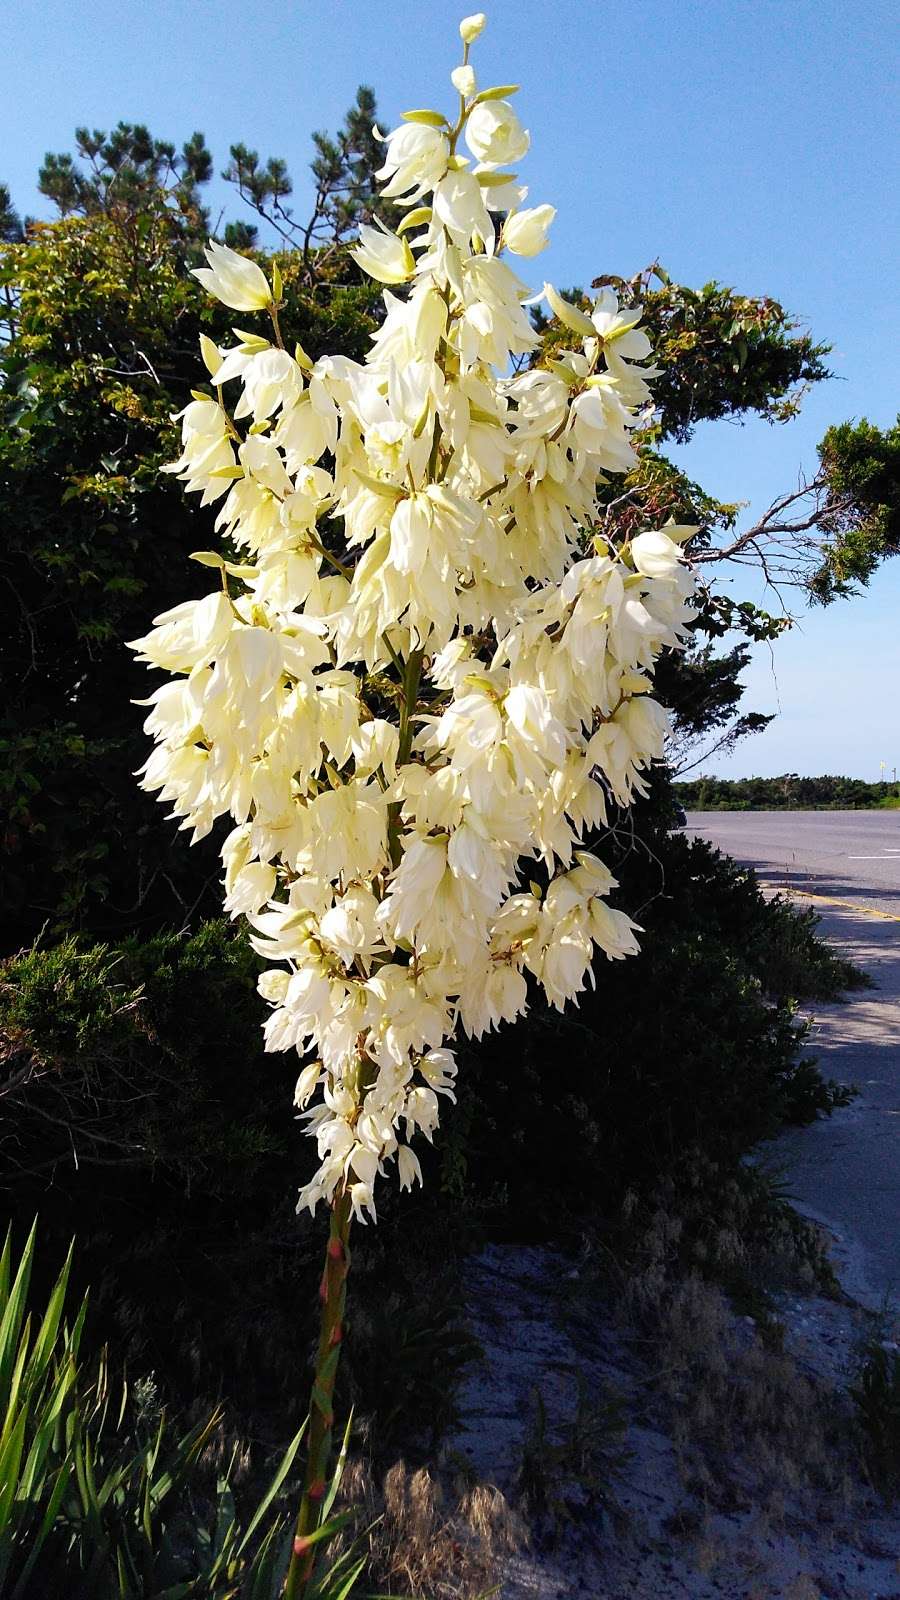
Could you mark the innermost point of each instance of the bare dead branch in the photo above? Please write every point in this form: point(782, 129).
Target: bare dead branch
point(785, 546)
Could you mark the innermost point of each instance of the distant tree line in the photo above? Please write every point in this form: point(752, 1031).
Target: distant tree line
point(787, 793)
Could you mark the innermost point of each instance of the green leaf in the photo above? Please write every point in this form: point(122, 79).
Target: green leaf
point(347, 1586)
point(184, 1456)
point(50, 1413)
point(432, 119)
point(54, 1502)
point(284, 1468)
point(388, 490)
point(4, 1269)
point(270, 1564)
point(10, 1459)
point(13, 1314)
point(251, 343)
point(46, 1339)
point(498, 92)
point(327, 1530)
point(338, 1472)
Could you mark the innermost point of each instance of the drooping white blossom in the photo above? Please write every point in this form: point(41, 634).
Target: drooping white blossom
point(427, 676)
point(233, 279)
point(383, 255)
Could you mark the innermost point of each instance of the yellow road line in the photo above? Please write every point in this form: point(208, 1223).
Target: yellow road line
point(830, 900)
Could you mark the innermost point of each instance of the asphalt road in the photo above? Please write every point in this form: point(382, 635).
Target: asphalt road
point(847, 855)
point(844, 1170)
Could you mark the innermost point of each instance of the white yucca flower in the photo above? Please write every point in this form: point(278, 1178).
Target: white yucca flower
point(233, 279)
point(383, 255)
point(527, 233)
point(425, 517)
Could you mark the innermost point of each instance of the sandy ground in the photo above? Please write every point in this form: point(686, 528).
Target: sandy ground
point(667, 1538)
point(668, 1541)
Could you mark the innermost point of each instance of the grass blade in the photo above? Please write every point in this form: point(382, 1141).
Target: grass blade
point(13, 1314)
point(284, 1468)
point(45, 1343)
point(54, 1502)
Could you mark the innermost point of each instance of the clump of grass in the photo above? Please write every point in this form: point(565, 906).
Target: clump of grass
point(742, 1413)
point(102, 1494)
point(739, 1408)
point(419, 1543)
point(574, 1462)
point(733, 1227)
point(422, 1337)
point(876, 1398)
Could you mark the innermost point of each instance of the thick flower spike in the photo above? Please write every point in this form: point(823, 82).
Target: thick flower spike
point(408, 858)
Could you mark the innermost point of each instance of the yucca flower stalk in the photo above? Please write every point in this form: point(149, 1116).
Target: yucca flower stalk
point(427, 518)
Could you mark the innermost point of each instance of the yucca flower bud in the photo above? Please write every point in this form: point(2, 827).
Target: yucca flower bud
point(471, 27)
point(463, 81)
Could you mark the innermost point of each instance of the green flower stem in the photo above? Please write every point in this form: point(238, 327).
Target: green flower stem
point(411, 678)
point(333, 1294)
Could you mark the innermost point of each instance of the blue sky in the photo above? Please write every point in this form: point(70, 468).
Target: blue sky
point(752, 142)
